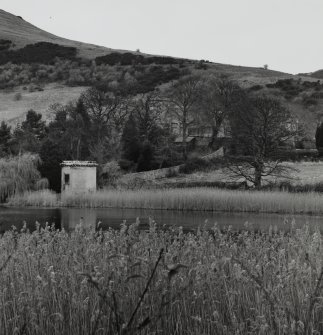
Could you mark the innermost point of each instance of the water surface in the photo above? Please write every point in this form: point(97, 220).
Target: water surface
point(68, 218)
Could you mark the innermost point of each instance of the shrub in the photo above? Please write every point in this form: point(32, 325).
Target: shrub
point(171, 172)
point(256, 88)
point(5, 44)
point(192, 165)
point(17, 96)
point(125, 164)
point(42, 184)
point(110, 174)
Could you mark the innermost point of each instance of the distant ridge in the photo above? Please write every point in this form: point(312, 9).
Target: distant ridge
point(317, 74)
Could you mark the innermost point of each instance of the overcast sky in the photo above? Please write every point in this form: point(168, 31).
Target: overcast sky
point(285, 34)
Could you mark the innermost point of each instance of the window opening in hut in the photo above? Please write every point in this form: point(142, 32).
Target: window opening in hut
point(66, 178)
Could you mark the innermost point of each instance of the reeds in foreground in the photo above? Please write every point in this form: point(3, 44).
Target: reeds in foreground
point(161, 282)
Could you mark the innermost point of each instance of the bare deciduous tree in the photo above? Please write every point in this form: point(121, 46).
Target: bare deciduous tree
point(148, 109)
point(108, 113)
point(105, 109)
point(260, 128)
point(216, 100)
point(183, 96)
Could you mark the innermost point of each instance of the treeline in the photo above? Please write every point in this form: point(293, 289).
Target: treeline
point(127, 58)
point(140, 132)
point(128, 79)
point(100, 126)
point(137, 131)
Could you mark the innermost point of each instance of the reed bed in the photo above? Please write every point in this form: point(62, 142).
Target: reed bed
point(190, 199)
point(160, 282)
point(41, 198)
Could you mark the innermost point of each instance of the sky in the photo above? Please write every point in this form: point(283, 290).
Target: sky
point(287, 35)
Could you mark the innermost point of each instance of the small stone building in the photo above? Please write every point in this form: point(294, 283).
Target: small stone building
point(79, 176)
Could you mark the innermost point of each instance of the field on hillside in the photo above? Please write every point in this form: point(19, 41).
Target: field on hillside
point(14, 110)
point(302, 173)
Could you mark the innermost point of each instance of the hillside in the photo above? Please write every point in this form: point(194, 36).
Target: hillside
point(317, 74)
point(22, 33)
point(63, 68)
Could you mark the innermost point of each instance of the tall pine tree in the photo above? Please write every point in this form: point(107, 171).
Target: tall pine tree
point(5, 137)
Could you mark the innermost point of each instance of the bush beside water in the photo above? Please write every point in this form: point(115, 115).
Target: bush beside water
point(160, 282)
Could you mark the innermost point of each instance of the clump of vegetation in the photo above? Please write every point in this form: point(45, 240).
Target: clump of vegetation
point(293, 88)
point(256, 88)
point(195, 164)
point(41, 198)
point(160, 281)
point(17, 96)
point(5, 44)
point(109, 174)
point(192, 165)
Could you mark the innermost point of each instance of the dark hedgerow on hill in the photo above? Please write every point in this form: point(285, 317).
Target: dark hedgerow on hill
point(156, 76)
point(127, 58)
point(42, 52)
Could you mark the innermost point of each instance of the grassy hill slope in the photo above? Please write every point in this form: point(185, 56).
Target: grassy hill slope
point(66, 79)
point(317, 74)
point(21, 33)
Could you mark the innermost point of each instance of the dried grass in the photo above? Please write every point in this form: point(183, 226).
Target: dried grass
point(160, 282)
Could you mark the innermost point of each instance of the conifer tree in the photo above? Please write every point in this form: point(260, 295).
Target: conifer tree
point(146, 158)
point(5, 136)
point(130, 140)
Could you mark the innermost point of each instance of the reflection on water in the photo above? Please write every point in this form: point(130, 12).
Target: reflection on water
point(68, 218)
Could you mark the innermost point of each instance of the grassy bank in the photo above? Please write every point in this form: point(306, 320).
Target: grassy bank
point(160, 282)
point(202, 199)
